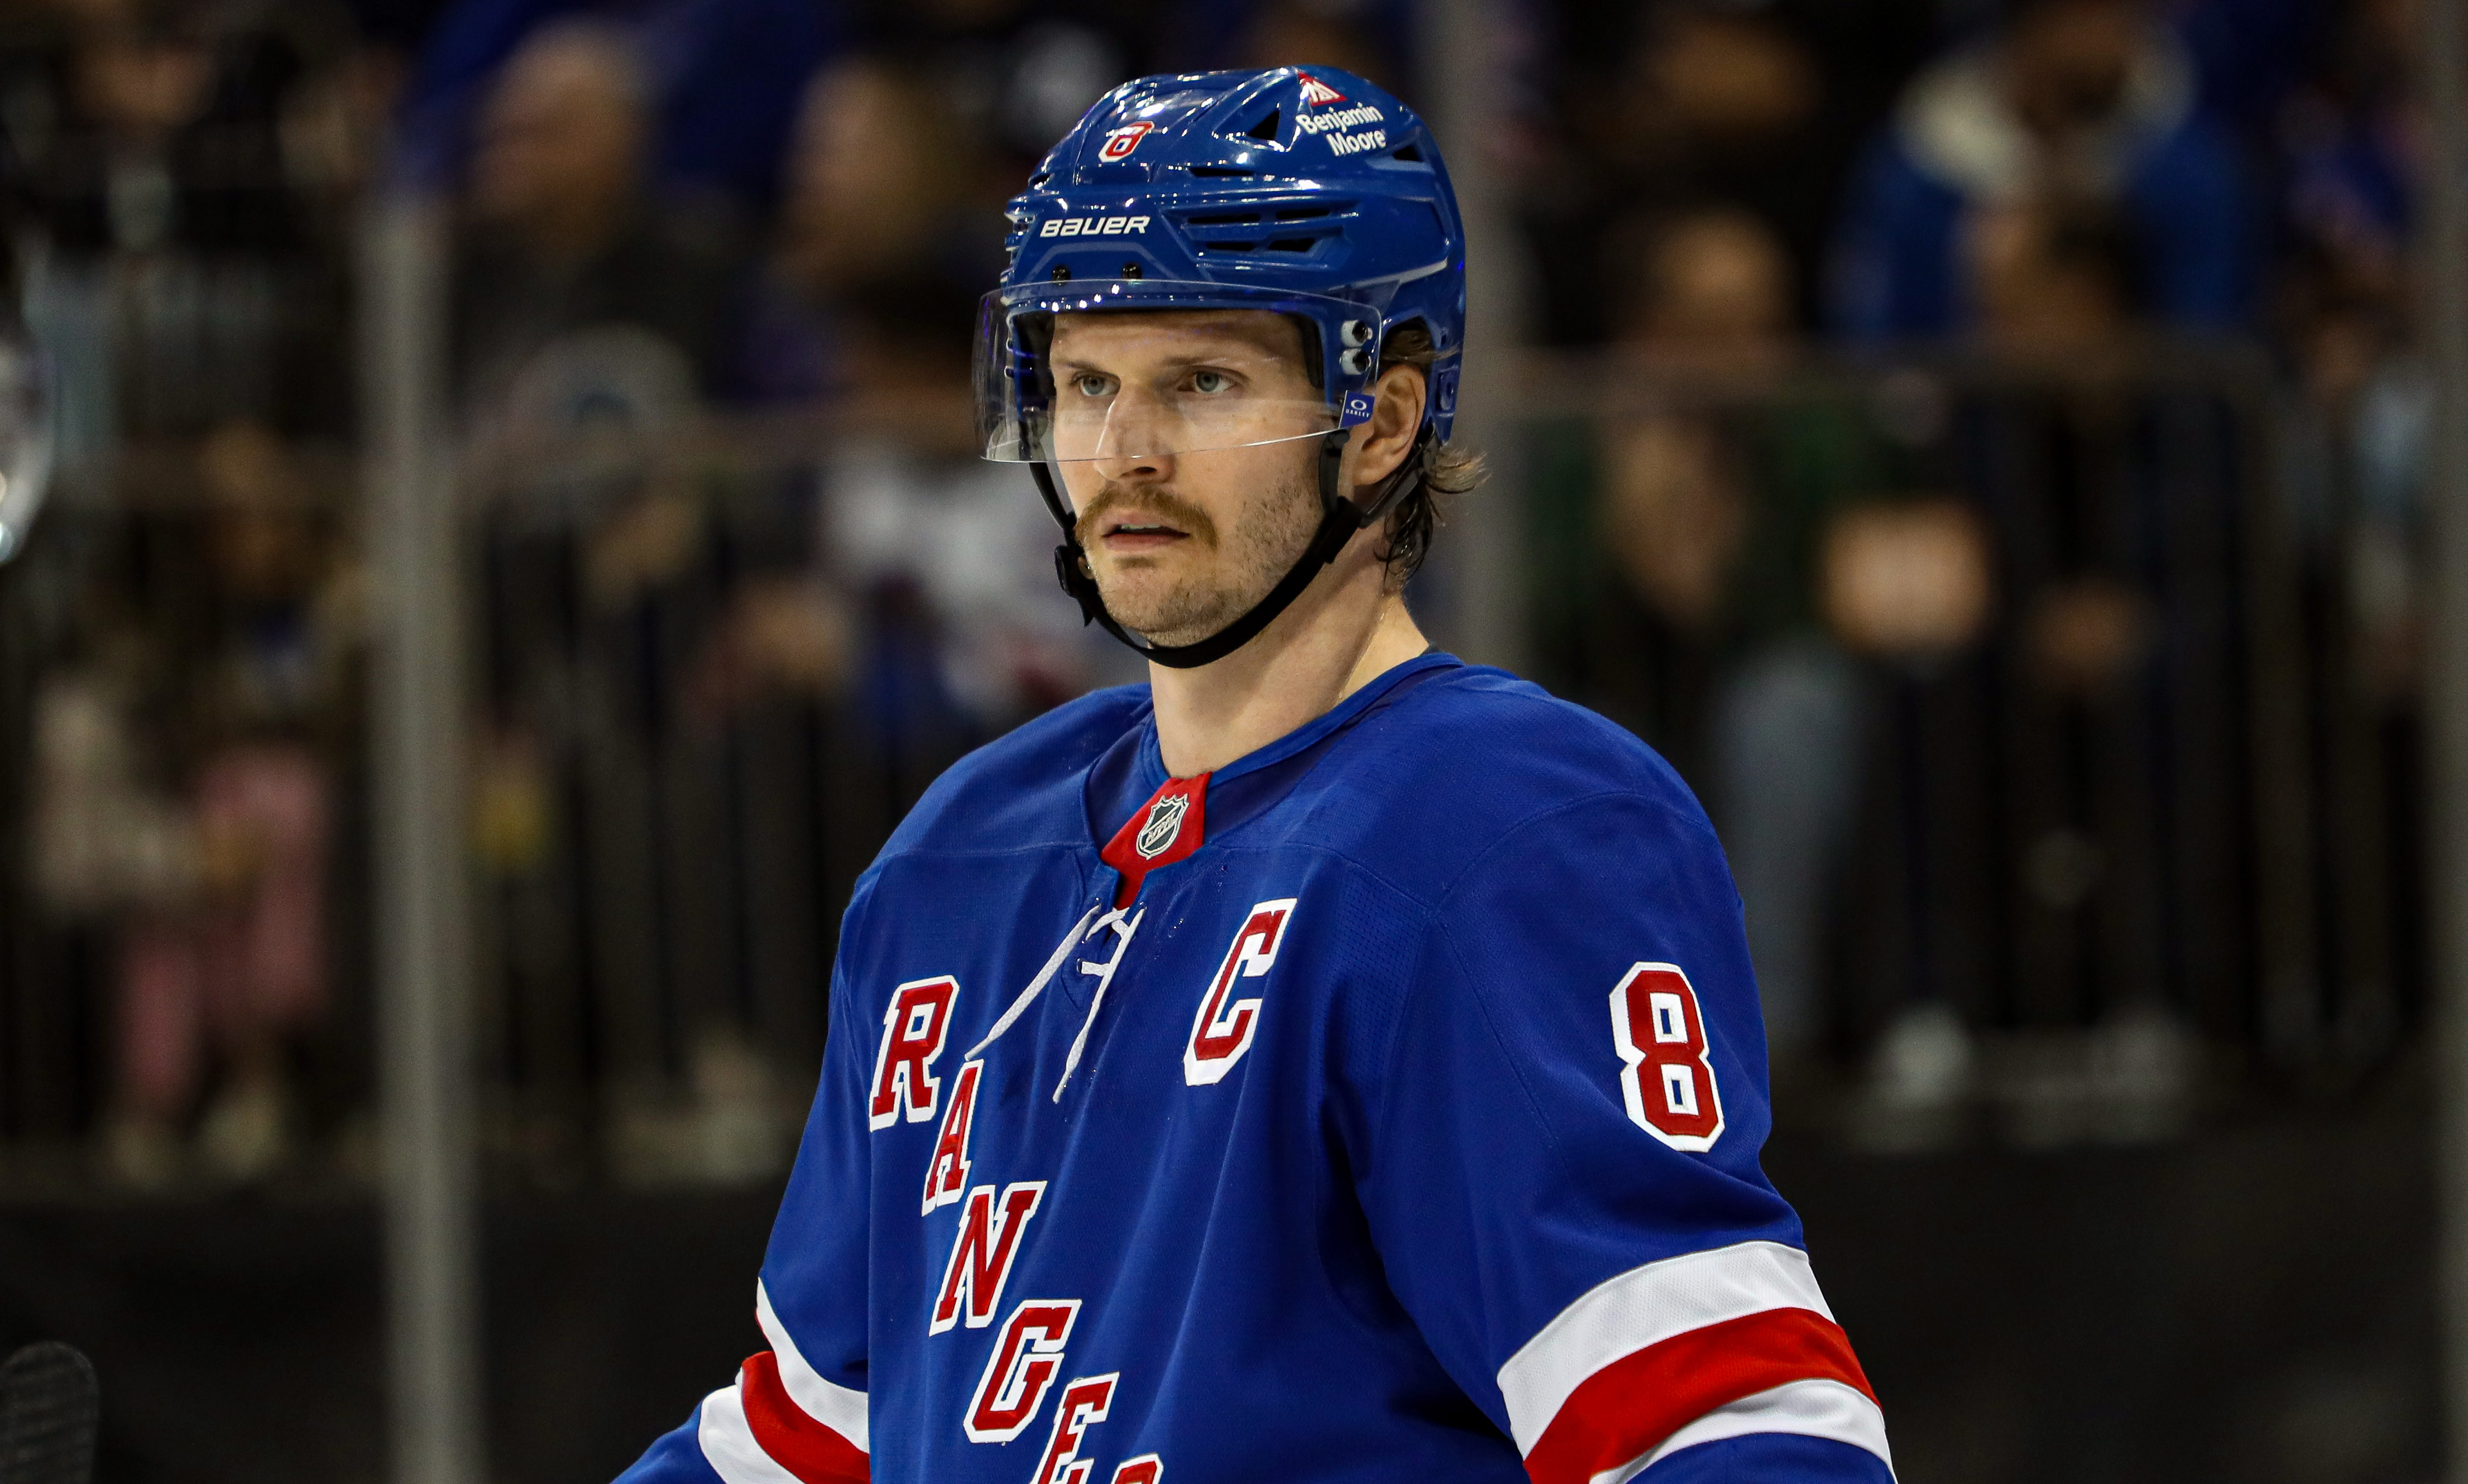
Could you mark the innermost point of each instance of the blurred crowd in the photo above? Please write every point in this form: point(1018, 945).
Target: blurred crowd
point(775, 218)
point(1784, 582)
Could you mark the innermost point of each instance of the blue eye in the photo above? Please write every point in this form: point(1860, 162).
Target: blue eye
point(1093, 385)
point(1211, 382)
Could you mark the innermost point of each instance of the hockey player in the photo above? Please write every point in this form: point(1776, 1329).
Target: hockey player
point(1331, 1062)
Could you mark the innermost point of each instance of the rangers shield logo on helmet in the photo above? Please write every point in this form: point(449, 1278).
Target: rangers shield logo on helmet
point(1121, 142)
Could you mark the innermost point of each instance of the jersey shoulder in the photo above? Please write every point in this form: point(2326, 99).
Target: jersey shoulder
point(1435, 784)
point(1021, 790)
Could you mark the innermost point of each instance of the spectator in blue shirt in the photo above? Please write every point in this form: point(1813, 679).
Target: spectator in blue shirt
point(2084, 101)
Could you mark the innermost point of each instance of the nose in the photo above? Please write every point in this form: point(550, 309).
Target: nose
point(1134, 469)
point(1135, 445)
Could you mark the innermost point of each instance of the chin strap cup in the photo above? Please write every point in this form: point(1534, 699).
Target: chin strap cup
point(1339, 519)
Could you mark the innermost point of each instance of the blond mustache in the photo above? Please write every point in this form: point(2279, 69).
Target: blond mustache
point(1173, 508)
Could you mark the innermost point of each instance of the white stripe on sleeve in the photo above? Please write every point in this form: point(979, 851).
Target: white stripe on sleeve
point(1809, 1408)
point(728, 1444)
point(1646, 1306)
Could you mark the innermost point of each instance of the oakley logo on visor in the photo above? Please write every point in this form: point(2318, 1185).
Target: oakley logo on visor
point(1358, 409)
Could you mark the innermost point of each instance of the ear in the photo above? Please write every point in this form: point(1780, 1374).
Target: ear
point(1388, 440)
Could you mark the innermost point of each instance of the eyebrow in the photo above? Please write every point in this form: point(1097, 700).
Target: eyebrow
point(1176, 363)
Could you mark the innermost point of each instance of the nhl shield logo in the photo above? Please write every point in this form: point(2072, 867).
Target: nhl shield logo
point(1121, 142)
point(1164, 826)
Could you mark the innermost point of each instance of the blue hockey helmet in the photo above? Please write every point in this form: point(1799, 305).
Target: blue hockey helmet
point(1301, 191)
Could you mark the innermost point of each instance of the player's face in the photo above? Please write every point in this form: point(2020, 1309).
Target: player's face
point(1184, 443)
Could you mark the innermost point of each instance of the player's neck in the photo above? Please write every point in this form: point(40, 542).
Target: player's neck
point(1300, 668)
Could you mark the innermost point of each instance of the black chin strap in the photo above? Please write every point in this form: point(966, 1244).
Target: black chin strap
point(1339, 519)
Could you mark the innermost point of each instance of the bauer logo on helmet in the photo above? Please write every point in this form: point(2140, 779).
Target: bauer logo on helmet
point(1121, 142)
point(1094, 226)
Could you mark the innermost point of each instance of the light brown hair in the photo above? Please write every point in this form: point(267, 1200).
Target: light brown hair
point(1438, 470)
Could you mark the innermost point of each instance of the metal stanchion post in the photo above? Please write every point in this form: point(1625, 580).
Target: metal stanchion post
point(423, 967)
point(1482, 556)
point(2446, 319)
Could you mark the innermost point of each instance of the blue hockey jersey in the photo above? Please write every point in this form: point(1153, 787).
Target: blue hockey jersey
point(1385, 1106)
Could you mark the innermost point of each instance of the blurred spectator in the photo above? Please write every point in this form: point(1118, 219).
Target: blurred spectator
point(1350, 37)
point(882, 185)
point(166, 134)
point(885, 203)
point(181, 174)
point(2350, 152)
point(1715, 286)
point(2350, 169)
point(565, 275)
point(185, 805)
point(235, 977)
point(1688, 103)
point(2251, 54)
point(1724, 96)
point(1724, 524)
point(1369, 37)
point(953, 554)
point(172, 281)
point(719, 82)
point(1012, 76)
point(2069, 101)
point(886, 245)
point(2050, 279)
point(335, 128)
point(2363, 402)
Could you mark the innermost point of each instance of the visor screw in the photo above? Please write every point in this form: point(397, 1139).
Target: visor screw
point(1355, 331)
point(1356, 362)
point(1131, 270)
point(1061, 274)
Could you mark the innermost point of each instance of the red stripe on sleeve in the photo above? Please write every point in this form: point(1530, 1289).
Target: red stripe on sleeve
point(797, 1443)
point(1626, 1409)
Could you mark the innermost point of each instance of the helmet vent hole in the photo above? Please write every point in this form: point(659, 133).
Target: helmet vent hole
point(1220, 170)
point(1302, 213)
point(1267, 128)
point(1409, 152)
point(1224, 219)
point(1292, 245)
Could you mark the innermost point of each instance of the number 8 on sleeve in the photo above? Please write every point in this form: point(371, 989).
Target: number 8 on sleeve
point(1668, 1081)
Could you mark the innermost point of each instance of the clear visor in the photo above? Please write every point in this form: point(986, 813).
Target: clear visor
point(1104, 369)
